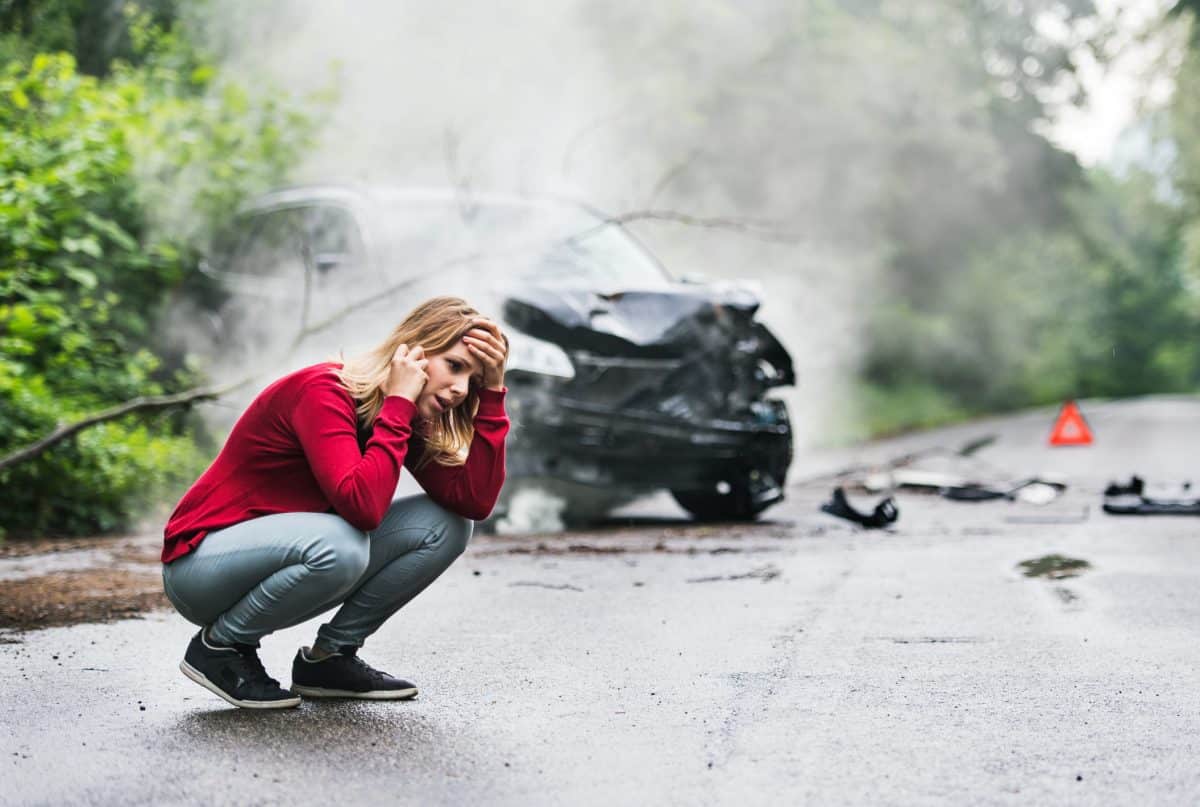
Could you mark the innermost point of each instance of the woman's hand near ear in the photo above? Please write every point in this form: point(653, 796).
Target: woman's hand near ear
point(406, 376)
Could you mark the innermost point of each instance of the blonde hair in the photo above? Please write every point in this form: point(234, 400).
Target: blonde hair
point(436, 325)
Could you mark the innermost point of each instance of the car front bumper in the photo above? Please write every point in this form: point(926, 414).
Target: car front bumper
point(589, 444)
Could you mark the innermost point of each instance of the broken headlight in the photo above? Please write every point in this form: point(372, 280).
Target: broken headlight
point(537, 356)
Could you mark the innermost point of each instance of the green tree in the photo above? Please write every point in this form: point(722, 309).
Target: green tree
point(88, 260)
point(96, 33)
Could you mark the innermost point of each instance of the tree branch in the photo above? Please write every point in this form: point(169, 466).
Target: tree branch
point(756, 228)
point(149, 403)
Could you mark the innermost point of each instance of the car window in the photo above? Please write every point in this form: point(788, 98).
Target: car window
point(270, 244)
point(333, 237)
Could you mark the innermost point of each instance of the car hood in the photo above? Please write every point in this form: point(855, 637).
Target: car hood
point(647, 322)
point(684, 321)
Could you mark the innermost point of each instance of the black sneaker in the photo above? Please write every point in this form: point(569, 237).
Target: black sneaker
point(345, 675)
point(236, 674)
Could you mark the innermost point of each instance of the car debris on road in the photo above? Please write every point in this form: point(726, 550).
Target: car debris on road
point(883, 514)
point(1035, 490)
point(1130, 499)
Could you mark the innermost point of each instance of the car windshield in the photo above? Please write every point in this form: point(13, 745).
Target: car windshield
point(544, 244)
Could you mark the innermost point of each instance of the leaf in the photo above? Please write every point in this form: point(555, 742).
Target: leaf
point(82, 276)
point(203, 74)
point(111, 229)
point(88, 245)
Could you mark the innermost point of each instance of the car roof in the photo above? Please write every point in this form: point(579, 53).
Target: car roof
point(368, 196)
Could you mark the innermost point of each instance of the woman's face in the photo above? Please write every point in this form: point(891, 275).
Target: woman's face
point(451, 375)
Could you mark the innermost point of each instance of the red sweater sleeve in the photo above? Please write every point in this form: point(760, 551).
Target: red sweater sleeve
point(359, 485)
point(471, 489)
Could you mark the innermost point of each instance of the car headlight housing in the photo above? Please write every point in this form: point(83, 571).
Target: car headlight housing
point(532, 355)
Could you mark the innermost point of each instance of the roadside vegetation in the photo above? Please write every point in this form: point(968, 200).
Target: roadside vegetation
point(92, 169)
point(1058, 282)
point(1011, 276)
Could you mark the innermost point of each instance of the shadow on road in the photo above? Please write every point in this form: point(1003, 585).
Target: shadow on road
point(344, 730)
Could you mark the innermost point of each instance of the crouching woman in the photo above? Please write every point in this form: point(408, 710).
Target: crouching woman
point(295, 515)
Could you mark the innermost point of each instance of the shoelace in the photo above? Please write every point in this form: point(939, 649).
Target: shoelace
point(252, 668)
point(371, 672)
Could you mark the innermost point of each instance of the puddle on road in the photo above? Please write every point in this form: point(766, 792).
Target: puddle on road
point(1054, 567)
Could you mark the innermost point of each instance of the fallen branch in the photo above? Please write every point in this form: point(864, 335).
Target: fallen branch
point(150, 403)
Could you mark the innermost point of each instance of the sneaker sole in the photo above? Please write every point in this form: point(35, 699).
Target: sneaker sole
point(373, 695)
point(199, 677)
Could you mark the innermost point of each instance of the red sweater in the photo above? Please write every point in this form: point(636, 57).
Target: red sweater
point(296, 450)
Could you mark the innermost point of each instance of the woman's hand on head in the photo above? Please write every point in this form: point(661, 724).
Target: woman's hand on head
point(406, 376)
point(487, 343)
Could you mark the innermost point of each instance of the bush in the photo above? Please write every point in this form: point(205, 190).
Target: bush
point(92, 173)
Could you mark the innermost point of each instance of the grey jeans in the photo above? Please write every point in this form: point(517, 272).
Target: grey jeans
point(272, 572)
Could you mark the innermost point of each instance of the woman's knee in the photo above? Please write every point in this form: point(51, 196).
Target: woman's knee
point(339, 551)
point(455, 534)
point(449, 532)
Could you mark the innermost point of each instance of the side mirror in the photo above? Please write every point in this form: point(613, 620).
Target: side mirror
point(694, 278)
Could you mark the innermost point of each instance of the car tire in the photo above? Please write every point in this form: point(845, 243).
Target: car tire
point(713, 506)
point(710, 505)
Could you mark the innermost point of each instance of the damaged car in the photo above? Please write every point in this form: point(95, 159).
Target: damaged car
point(623, 381)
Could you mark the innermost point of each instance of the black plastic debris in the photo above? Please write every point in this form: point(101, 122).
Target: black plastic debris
point(1130, 499)
point(885, 512)
point(1134, 487)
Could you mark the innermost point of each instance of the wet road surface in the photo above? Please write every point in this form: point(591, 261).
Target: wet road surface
point(801, 659)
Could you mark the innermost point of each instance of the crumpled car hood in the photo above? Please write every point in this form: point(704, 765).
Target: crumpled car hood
point(632, 321)
point(683, 321)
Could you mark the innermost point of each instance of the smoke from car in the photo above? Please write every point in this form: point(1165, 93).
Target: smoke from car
point(806, 122)
point(565, 98)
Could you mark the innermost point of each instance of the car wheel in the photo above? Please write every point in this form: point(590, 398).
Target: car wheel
point(740, 499)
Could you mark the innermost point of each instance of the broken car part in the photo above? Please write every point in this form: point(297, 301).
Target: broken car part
point(1130, 499)
point(885, 512)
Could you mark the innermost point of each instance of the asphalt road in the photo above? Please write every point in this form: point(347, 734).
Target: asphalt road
point(798, 660)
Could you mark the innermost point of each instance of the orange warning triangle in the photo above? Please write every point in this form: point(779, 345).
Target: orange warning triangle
point(1070, 429)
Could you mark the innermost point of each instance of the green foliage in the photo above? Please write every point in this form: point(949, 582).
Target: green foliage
point(896, 407)
point(1184, 133)
point(96, 33)
point(1096, 307)
point(106, 187)
point(1096, 294)
point(95, 483)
